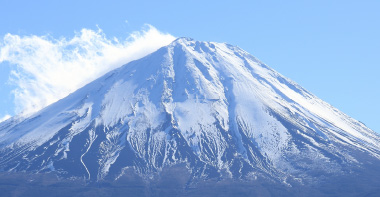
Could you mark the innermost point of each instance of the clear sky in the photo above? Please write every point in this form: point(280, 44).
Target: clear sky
point(331, 48)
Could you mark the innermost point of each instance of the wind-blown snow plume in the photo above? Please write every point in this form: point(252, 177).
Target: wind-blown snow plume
point(46, 69)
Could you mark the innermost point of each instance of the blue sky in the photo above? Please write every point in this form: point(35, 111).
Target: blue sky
point(330, 48)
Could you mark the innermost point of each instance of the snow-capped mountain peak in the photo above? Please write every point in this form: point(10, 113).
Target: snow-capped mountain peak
point(209, 105)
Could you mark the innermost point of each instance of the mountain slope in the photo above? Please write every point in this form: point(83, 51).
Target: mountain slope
point(210, 106)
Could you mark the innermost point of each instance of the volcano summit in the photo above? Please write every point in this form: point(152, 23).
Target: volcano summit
point(211, 108)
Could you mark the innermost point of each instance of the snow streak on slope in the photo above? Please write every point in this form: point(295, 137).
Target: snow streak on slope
point(209, 105)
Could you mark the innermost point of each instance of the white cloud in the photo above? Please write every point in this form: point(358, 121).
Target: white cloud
point(46, 69)
point(6, 117)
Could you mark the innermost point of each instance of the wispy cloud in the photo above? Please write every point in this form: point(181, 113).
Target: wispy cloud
point(46, 69)
point(5, 117)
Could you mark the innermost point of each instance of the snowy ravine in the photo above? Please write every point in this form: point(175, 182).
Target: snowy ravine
point(210, 106)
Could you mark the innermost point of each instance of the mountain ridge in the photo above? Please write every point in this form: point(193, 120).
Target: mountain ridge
point(210, 106)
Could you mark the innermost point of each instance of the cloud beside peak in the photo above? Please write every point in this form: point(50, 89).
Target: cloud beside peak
point(46, 69)
point(6, 117)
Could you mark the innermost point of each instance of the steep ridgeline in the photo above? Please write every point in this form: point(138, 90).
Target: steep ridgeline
point(210, 106)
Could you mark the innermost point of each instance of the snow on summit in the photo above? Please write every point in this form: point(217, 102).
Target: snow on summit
point(210, 105)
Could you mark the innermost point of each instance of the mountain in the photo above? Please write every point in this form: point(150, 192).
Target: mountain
point(210, 107)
